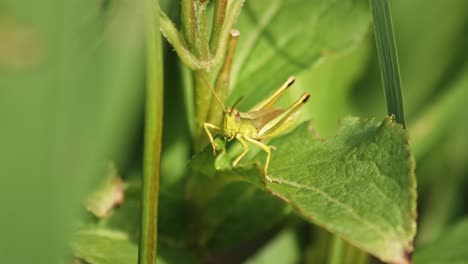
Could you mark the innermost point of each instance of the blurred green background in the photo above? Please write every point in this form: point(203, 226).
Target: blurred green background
point(72, 100)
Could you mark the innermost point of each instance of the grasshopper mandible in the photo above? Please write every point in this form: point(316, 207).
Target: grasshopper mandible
point(258, 124)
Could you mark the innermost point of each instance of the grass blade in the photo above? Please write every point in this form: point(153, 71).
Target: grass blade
point(153, 133)
point(388, 58)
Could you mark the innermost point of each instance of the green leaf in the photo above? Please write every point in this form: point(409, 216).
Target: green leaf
point(173, 221)
point(285, 37)
point(360, 184)
point(251, 211)
point(104, 246)
point(450, 248)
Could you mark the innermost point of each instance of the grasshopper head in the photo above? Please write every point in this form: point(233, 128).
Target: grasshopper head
point(232, 120)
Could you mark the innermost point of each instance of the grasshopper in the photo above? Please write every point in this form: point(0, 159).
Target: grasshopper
point(258, 124)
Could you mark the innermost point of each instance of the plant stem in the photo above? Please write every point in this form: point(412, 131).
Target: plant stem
point(222, 83)
point(337, 248)
point(344, 253)
point(147, 251)
point(202, 77)
point(201, 46)
point(218, 21)
point(229, 21)
point(188, 20)
point(174, 37)
point(388, 58)
point(202, 105)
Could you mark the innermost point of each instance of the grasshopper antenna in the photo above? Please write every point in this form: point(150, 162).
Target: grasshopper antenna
point(235, 104)
point(207, 83)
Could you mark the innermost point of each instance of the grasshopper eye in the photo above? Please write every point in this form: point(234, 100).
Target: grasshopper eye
point(237, 116)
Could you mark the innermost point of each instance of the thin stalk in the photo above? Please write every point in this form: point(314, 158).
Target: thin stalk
point(152, 139)
point(336, 251)
point(229, 21)
point(223, 80)
point(174, 37)
point(388, 58)
point(344, 253)
point(218, 21)
point(202, 105)
point(206, 63)
point(201, 42)
point(188, 20)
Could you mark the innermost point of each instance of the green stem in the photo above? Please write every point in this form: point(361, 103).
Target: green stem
point(336, 251)
point(222, 83)
point(202, 105)
point(344, 253)
point(188, 20)
point(229, 21)
point(202, 92)
point(174, 37)
point(147, 253)
point(201, 46)
point(206, 63)
point(218, 21)
point(388, 58)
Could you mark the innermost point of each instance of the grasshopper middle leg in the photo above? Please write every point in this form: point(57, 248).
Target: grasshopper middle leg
point(246, 149)
point(267, 149)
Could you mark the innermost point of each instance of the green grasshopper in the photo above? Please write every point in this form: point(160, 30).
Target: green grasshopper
point(258, 124)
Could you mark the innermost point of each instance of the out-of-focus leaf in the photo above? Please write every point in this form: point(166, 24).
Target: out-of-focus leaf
point(447, 110)
point(427, 59)
point(173, 221)
point(284, 38)
point(443, 196)
point(360, 184)
point(330, 87)
point(283, 249)
point(230, 211)
point(104, 246)
point(450, 248)
point(109, 194)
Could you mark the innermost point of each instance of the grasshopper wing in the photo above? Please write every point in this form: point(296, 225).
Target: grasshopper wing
point(262, 117)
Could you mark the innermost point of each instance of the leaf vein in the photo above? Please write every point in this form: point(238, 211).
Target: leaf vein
point(346, 207)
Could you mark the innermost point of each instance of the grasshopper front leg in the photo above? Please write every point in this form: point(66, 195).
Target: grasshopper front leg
point(207, 127)
point(267, 149)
